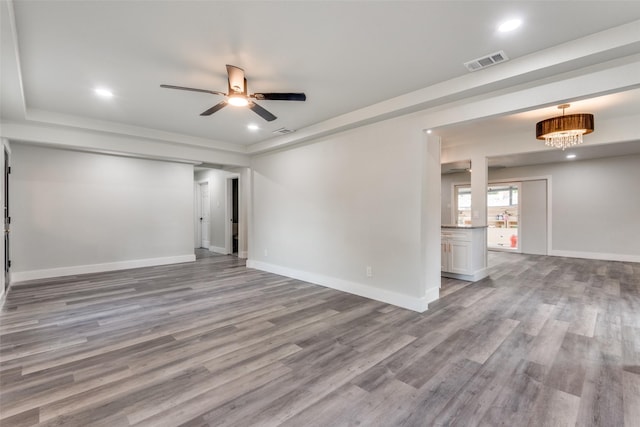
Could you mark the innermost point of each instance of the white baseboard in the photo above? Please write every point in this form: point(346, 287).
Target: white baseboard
point(405, 301)
point(218, 250)
point(22, 276)
point(243, 254)
point(477, 275)
point(596, 255)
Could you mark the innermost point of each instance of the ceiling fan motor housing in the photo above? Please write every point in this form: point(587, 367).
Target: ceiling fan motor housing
point(238, 96)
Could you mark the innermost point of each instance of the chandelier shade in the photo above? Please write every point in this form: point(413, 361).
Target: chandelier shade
point(564, 131)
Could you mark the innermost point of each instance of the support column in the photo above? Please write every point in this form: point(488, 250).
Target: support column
point(430, 219)
point(479, 183)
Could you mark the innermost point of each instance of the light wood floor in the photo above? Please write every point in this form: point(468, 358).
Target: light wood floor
point(542, 341)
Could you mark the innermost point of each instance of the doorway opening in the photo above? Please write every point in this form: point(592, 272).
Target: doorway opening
point(503, 213)
point(234, 215)
point(204, 207)
point(7, 221)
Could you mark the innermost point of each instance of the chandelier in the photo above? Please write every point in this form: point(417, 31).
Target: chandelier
point(564, 131)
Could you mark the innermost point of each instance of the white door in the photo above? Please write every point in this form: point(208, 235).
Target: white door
point(205, 208)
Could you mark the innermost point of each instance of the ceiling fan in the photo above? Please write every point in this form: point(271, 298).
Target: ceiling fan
point(237, 95)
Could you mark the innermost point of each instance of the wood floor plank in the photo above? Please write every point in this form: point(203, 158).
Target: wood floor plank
point(542, 341)
point(555, 408)
point(570, 365)
point(438, 391)
point(477, 396)
point(215, 397)
point(548, 342)
point(601, 401)
point(333, 410)
point(489, 340)
point(218, 378)
point(631, 349)
point(515, 402)
point(388, 405)
point(631, 398)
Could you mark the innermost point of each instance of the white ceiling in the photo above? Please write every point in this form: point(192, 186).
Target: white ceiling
point(343, 55)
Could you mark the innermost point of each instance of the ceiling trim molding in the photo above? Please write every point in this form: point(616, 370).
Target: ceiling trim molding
point(65, 137)
point(617, 78)
point(609, 132)
point(47, 117)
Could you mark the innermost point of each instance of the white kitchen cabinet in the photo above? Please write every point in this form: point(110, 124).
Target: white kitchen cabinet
point(464, 252)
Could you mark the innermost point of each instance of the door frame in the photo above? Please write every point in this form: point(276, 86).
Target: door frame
point(548, 178)
point(510, 183)
point(6, 247)
point(196, 212)
point(205, 241)
point(228, 213)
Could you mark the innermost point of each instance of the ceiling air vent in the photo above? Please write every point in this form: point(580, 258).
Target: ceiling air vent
point(283, 131)
point(486, 61)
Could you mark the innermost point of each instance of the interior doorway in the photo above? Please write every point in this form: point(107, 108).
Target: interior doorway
point(503, 216)
point(233, 204)
point(205, 214)
point(503, 213)
point(7, 221)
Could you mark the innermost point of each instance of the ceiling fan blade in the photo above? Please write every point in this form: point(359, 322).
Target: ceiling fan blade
point(214, 92)
point(261, 112)
point(219, 106)
point(280, 96)
point(237, 82)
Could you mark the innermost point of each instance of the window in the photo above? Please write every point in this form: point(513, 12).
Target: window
point(462, 196)
point(502, 196)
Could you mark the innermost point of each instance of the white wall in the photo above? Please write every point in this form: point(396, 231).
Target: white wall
point(325, 211)
point(595, 207)
point(76, 212)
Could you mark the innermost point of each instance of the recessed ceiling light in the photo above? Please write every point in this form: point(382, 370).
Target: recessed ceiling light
point(105, 93)
point(571, 156)
point(253, 127)
point(429, 131)
point(509, 25)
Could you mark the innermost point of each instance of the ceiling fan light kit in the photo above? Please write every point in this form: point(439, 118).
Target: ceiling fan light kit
point(237, 95)
point(238, 101)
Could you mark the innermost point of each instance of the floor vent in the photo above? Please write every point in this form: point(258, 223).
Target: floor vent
point(486, 61)
point(283, 131)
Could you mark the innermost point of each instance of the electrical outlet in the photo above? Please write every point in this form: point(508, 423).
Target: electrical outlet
point(369, 271)
point(266, 253)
